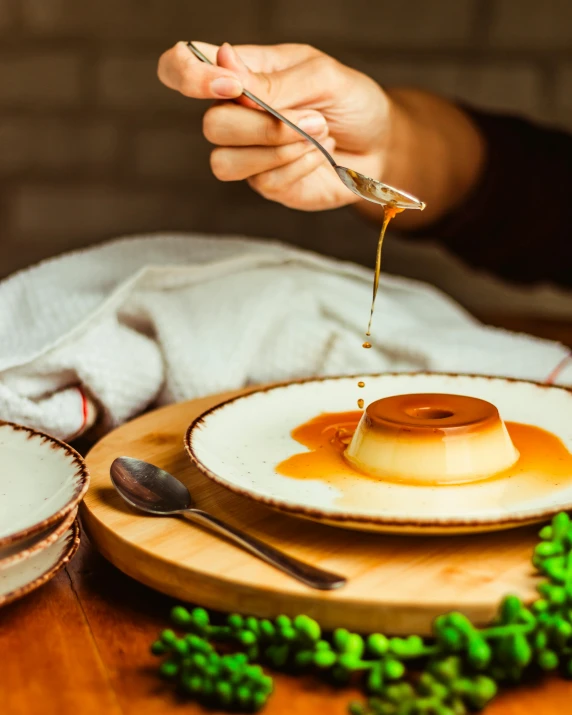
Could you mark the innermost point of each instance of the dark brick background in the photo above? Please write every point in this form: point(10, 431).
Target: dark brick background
point(92, 146)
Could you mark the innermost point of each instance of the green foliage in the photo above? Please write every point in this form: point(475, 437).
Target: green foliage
point(456, 671)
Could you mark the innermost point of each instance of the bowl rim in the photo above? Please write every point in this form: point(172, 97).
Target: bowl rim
point(69, 552)
point(46, 540)
point(81, 478)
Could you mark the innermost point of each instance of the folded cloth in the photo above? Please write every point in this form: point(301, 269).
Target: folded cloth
point(148, 320)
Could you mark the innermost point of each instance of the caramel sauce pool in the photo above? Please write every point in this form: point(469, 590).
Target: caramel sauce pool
point(327, 436)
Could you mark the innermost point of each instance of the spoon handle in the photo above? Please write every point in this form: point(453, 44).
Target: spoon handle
point(310, 575)
point(256, 100)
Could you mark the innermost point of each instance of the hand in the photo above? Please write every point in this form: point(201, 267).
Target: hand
point(343, 109)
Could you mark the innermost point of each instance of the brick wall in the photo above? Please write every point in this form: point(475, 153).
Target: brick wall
point(92, 146)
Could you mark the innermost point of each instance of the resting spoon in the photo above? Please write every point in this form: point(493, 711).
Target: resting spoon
point(150, 489)
point(363, 186)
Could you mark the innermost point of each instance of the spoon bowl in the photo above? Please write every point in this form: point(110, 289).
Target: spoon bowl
point(149, 488)
point(375, 191)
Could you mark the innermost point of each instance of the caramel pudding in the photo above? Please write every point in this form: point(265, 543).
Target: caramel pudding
point(431, 438)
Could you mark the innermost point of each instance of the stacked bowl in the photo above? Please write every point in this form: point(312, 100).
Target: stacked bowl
point(42, 482)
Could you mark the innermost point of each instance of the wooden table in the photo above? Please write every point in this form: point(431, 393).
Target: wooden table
point(79, 645)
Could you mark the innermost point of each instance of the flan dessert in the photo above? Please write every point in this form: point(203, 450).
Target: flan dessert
point(431, 439)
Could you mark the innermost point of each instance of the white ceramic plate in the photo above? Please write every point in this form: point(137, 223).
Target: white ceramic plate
point(25, 575)
point(42, 480)
point(238, 444)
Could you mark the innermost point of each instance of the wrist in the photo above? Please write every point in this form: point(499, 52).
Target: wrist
point(434, 151)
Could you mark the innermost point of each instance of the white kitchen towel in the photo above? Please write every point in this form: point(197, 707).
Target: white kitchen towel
point(156, 319)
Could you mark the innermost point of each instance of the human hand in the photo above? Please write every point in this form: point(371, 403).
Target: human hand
point(342, 108)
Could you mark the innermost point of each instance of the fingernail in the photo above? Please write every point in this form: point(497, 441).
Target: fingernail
point(226, 87)
point(313, 124)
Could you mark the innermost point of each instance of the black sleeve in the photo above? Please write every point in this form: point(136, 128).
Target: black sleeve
point(517, 223)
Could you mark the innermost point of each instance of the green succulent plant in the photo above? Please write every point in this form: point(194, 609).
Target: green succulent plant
point(456, 671)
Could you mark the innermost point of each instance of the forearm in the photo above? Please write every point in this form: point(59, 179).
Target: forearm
point(434, 151)
point(502, 197)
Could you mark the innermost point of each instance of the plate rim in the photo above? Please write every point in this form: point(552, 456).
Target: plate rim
point(65, 558)
point(82, 474)
point(347, 518)
point(50, 538)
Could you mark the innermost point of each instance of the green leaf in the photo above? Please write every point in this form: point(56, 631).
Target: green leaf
point(168, 637)
point(341, 638)
point(304, 658)
point(548, 660)
point(235, 621)
point(308, 628)
point(224, 693)
point(349, 661)
point(158, 648)
point(479, 652)
point(377, 644)
point(375, 679)
point(267, 629)
point(393, 669)
point(324, 658)
point(560, 525)
point(522, 652)
point(169, 669)
point(510, 609)
point(180, 616)
point(283, 622)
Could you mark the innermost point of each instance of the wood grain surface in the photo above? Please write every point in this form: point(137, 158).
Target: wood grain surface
point(396, 584)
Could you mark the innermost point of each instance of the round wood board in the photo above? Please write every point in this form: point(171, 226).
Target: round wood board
point(397, 584)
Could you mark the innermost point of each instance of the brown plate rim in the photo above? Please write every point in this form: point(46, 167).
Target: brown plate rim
point(74, 541)
point(318, 514)
point(81, 487)
point(50, 538)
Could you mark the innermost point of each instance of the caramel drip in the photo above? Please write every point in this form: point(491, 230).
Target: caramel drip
point(389, 212)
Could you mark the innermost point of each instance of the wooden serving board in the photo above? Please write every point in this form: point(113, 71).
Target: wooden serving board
point(397, 584)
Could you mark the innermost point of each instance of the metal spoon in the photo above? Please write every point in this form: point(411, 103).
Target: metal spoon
point(363, 186)
point(157, 492)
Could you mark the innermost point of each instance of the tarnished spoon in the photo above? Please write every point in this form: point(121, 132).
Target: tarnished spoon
point(150, 489)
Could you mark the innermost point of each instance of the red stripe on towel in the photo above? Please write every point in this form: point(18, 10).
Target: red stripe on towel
point(558, 369)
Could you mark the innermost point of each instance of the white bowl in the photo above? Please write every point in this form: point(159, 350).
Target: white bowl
point(42, 480)
point(27, 548)
point(24, 575)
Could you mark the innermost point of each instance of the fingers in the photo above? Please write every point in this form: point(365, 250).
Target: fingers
point(179, 69)
point(236, 164)
point(228, 124)
point(301, 83)
point(273, 58)
point(275, 183)
point(283, 75)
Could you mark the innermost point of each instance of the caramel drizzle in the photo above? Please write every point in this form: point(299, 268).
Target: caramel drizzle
point(389, 212)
